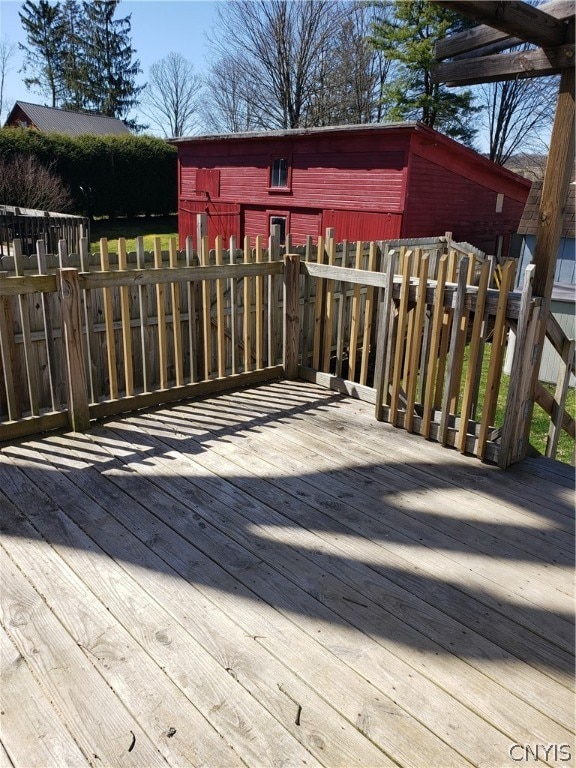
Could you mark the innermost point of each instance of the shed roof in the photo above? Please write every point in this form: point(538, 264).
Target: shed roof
point(293, 132)
point(529, 219)
point(65, 121)
point(430, 134)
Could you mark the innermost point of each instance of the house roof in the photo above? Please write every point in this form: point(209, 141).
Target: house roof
point(51, 120)
point(529, 220)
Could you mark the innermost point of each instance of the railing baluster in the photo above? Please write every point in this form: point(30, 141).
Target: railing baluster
point(30, 356)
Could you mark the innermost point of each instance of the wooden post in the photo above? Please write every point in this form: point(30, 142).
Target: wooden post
point(126, 327)
point(291, 320)
point(143, 311)
point(233, 308)
point(76, 384)
point(554, 192)
point(383, 356)
point(513, 441)
point(108, 320)
point(555, 188)
point(8, 355)
point(176, 317)
point(48, 327)
point(206, 294)
point(273, 255)
point(455, 349)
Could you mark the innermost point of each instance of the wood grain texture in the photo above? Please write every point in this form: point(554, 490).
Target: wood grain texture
point(109, 324)
point(384, 603)
point(76, 383)
point(32, 733)
point(291, 314)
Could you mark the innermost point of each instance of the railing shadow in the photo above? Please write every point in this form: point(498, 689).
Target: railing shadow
point(172, 491)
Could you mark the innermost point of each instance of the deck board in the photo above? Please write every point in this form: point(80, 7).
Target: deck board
point(271, 577)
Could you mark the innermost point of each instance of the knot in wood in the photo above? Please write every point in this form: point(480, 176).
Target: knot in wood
point(65, 289)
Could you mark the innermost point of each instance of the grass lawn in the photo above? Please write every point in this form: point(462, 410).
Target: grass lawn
point(540, 419)
point(163, 227)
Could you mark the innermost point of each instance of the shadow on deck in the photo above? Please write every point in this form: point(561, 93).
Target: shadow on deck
point(305, 584)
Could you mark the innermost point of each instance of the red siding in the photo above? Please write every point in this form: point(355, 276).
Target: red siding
point(254, 222)
point(304, 223)
point(363, 225)
point(350, 180)
point(223, 219)
point(372, 183)
point(299, 223)
point(187, 181)
point(208, 182)
point(440, 200)
point(330, 173)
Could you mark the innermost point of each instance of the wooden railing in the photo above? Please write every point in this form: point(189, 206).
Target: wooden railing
point(82, 345)
point(413, 346)
point(28, 226)
point(555, 405)
point(420, 335)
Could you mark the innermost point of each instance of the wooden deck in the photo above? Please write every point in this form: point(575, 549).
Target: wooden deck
point(273, 578)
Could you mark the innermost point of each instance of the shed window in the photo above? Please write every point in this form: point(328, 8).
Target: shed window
point(279, 172)
point(281, 222)
point(499, 202)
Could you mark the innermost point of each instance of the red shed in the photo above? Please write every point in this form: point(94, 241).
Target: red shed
point(369, 182)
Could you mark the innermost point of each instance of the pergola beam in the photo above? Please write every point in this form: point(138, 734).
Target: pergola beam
point(489, 38)
point(514, 18)
point(504, 66)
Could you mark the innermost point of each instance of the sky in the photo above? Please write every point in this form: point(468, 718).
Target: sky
point(158, 27)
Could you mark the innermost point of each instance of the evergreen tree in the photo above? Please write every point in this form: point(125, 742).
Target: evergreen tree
point(109, 65)
point(46, 35)
point(406, 33)
point(74, 65)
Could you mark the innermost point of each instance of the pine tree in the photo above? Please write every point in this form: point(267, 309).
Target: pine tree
point(406, 33)
point(74, 66)
point(110, 67)
point(46, 34)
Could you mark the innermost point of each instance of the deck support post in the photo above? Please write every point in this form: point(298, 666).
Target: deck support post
point(76, 382)
point(516, 426)
point(554, 192)
point(291, 314)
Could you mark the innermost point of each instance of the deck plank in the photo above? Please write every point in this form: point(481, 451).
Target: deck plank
point(153, 700)
point(289, 580)
point(349, 462)
point(410, 740)
point(97, 720)
point(32, 733)
point(550, 656)
point(223, 703)
point(282, 480)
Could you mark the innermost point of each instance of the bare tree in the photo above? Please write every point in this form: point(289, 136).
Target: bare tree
point(230, 107)
point(279, 46)
point(352, 78)
point(518, 115)
point(7, 53)
point(171, 97)
point(25, 182)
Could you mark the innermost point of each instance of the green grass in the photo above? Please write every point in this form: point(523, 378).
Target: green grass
point(540, 419)
point(163, 227)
